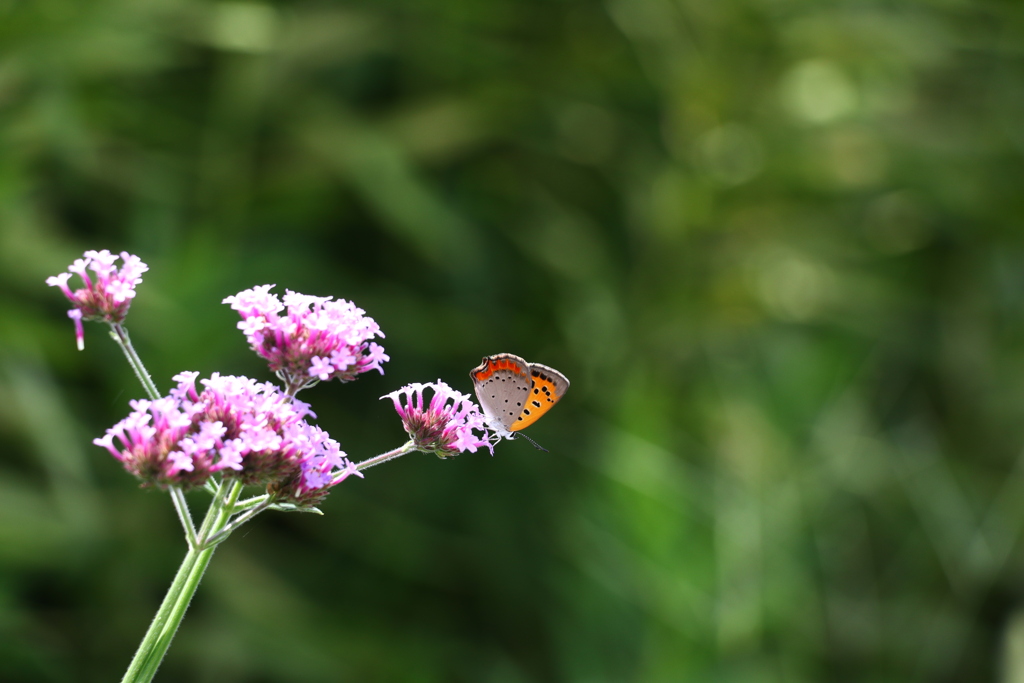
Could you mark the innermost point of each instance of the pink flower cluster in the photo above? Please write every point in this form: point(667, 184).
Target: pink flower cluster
point(239, 427)
point(107, 294)
point(316, 338)
point(440, 427)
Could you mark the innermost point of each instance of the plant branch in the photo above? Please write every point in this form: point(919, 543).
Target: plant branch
point(384, 457)
point(120, 335)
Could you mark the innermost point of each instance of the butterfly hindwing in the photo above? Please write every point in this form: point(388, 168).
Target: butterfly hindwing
point(547, 387)
point(502, 385)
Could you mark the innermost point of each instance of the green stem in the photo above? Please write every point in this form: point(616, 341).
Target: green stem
point(120, 335)
point(181, 507)
point(135, 668)
point(249, 503)
point(161, 631)
point(228, 529)
point(384, 457)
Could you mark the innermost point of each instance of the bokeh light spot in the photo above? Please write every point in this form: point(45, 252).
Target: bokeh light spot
point(818, 91)
point(243, 27)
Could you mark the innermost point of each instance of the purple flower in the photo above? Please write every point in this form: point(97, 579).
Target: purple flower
point(307, 338)
point(440, 427)
point(107, 294)
point(237, 426)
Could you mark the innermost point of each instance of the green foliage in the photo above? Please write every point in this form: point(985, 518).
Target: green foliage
point(775, 245)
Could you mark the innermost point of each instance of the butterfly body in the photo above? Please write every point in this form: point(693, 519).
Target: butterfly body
point(513, 393)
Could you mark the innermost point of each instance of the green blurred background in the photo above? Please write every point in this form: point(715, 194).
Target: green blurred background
point(775, 244)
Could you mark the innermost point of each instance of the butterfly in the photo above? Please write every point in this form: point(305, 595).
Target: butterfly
point(514, 394)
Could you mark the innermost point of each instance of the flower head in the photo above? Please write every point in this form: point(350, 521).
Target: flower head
point(239, 427)
point(107, 293)
point(307, 338)
point(439, 426)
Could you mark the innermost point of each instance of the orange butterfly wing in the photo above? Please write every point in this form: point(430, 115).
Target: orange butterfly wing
point(548, 387)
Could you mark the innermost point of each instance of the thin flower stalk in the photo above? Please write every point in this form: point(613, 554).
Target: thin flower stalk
point(120, 335)
point(408, 447)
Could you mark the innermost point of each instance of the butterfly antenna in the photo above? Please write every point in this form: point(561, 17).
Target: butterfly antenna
point(535, 444)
